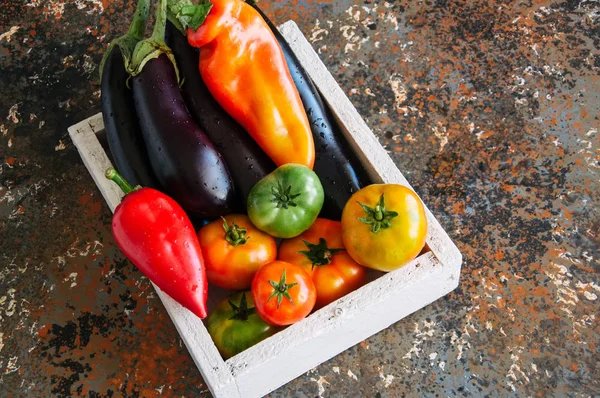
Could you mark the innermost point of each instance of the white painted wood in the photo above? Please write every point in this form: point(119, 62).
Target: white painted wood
point(336, 327)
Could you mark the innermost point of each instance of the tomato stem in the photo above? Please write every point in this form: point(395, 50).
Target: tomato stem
point(241, 312)
point(234, 234)
point(378, 217)
point(281, 289)
point(283, 197)
point(319, 254)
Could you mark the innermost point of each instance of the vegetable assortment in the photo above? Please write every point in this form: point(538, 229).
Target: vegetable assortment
point(320, 251)
point(245, 70)
point(118, 110)
point(247, 163)
point(227, 137)
point(337, 166)
point(183, 158)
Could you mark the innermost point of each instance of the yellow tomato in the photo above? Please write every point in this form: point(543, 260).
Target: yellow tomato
point(384, 226)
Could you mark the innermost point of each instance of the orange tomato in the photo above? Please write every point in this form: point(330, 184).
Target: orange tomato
point(283, 293)
point(320, 251)
point(233, 250)
point(384, 226)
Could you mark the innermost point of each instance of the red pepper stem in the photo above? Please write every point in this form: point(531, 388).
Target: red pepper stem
point(113, 175)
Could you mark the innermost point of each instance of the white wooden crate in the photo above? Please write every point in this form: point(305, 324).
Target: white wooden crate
point(334, 328)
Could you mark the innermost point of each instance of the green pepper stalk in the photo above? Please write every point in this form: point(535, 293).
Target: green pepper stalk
point(127, 42)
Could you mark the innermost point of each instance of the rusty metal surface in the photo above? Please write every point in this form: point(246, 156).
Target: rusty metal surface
point(490, 108)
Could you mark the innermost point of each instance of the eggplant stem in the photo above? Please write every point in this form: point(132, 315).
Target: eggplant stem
point(127, 42)
point(154, 46)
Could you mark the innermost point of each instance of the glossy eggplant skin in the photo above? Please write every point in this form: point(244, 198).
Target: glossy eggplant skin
point(123, 132)
point(247, 163)
point(183, 158)
point(336, 164)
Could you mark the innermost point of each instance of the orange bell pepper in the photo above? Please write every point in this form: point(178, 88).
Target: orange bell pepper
point(246, 72)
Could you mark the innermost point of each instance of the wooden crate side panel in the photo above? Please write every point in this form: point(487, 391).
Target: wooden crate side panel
point(191, 329)
point(94, 158)
point(377, 161)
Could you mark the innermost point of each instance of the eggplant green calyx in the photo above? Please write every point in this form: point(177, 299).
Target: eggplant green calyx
point(127, 42)
point(154, 46)
point(234, 234)
point(319, 254)
point(283, 196)
point(241, 312)
point(281, 289)
point(184, 14)
point(126, 187)
point(378, 217)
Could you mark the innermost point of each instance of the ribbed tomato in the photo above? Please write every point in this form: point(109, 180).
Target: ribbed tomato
point(384, 226)
point(234, 250)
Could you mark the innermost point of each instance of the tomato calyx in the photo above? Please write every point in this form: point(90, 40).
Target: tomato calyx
point(281, 289)
point(378, 217)
point(283, 196)
point(234, 234)
point(319, 254)
point(241, 312)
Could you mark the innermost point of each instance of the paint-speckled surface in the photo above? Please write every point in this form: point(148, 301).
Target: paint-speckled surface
point(490, 109)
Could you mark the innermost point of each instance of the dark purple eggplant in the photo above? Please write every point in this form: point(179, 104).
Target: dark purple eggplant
point(183, 158)
point(123, 133)
point(247, 163)
point(336, 164)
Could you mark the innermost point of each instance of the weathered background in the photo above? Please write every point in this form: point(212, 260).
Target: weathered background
point(490, 108)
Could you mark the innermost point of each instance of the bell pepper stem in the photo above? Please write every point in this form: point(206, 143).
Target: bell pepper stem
point(113, 175)
point(185, 14)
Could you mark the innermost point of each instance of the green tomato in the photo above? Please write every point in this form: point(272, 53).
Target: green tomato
point(286, 202)
point(235, 326)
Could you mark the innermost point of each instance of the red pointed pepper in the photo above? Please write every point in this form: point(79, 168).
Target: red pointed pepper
point(157, 236)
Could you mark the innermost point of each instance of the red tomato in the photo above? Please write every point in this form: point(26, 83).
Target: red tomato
point(320, 251)
point(234, 250)
point(283, 293)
